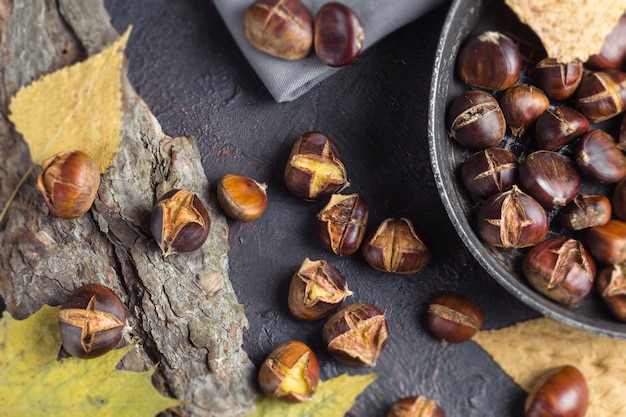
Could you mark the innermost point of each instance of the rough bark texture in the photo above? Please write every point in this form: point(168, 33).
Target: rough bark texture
point(182, 309)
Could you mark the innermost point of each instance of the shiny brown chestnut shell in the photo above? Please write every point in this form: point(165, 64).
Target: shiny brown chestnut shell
point(598, 158)
point(475, 120)
point(342, 223)
point(489, 171)
point(601, 95)
point(558, 80)
point(454, 318)
point(607, 243)
point(613, 52)
point(561, 392)
point(611, 285)
point(339, 34)
point(397, 247)
point(522, 104)
point(559, 126)
point(241, 197)
point(356, 334)
point(618, 200)
point(314, 169)
point(179, 222)
point(316, 290)
point(585, 210)
point(512, 219)
point(282, 28)
point(91, 321)
point(69, 182)
point(561, 269)
point(549, 177)
point(490, 60)
point(290, 372)
point(415, 406)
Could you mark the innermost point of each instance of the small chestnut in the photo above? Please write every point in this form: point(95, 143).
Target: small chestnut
point(356, 334)
point(490, 60)
point(611, 285)
point(598, 158)
point(489, 171)
point(68, 183)
point(241, 197)
point(314, 169)
point(342, 223)
point(290, 372)
point(454, 318)
point(561, 269)
point(416, 406)
point(91, 321)
point(586, 210)
point(317, 290)
point(180, 222)
point(338, 34)
point(512, 219)
point(557, 127)
point(561, 392)
point(396, 247)
point(522, 104)
point(557, 79)
point(550, 177)
point(601, 95)
point(282, 28)
point(475, 120)
point(607, 243)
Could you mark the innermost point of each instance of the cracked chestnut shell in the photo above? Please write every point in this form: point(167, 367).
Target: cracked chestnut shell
point(560, 392)
point(69, 183)
point(282, 28)
point(586, 210)
point(416, 406)
point(512, 219)
point(557, 79)
point(316, 290)
point(611, 285)
point(561, 269)
point(290, 372)
point(356, 334)
point(396, 247)
point(338, 34)
point(522, 104)
point(91, 321)
point(598, 158)
point(475, 120)
point(342, 224)
point(559, 126)
point(454, 318)
point(489, 171)
point(601, 95)
point(180, 222)
point(314, 169)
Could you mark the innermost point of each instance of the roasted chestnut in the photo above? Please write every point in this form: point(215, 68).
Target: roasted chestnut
point(558, 80)
point(356, 334)
point(618, 200)
point(454, 318)
point(290, 372)
point(607, 243)
point(317, 290)
point(598, 158)
point(613, 52)
point(241, 197)
point(342, 223)
point(91, 321)
point(611, 285)
point(557, 127)
point(476, 120)
point(512, 219)
point(522, 104)
point(561, 269)
point(561, 392)
point(601, 95)
point(550, 177)
point(314, 169)
point(417, 406)
point(282, 28)
point(586, 210)
point(489, 171)
point(490, 60)
point(339, 34)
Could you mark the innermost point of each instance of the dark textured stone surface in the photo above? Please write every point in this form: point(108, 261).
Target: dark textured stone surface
point(185, 65)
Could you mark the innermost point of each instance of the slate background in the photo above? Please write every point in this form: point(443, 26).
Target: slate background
point(185, 65)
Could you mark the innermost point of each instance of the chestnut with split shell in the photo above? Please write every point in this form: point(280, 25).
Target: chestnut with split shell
point(454, 318)
point(611, 285)
point(489, 171)
point(557, 79)
point(475, 120)
point(342, 223)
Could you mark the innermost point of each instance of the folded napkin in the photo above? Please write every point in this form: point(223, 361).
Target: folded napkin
point(288, 80)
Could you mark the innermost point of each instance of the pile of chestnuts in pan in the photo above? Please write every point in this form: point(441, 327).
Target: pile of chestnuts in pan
point(285, 29)
point(546, 164)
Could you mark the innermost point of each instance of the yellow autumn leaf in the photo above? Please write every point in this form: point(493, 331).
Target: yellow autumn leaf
point(34, 384)
point(334, 398)
point(78, 107)
point(527, 350)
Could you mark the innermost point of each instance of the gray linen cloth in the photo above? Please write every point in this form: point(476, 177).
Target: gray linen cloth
point(288, 80)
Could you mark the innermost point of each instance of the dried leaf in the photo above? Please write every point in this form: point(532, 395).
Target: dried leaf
point(334, 398)
point(33, 383)
point(527, 350)
point(76, 108)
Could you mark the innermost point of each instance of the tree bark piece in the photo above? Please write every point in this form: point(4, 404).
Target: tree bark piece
point(182, 308)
